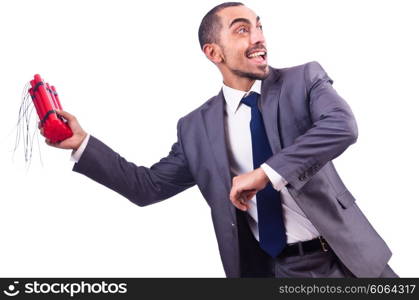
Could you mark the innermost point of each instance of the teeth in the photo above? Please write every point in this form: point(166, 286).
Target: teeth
point(257, 54)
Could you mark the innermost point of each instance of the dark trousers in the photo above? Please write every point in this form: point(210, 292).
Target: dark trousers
point(256, 263)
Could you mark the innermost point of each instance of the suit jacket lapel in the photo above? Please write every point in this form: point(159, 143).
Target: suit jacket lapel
point(213, 116)
point(271, 89)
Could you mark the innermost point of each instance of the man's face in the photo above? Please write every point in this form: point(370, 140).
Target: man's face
point(242, 43)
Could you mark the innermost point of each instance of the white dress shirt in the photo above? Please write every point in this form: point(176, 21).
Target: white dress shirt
point(239, 148)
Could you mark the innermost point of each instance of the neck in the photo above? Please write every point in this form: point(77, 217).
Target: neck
point(239, 83)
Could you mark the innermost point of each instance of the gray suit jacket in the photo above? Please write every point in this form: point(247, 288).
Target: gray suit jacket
point(308, 124)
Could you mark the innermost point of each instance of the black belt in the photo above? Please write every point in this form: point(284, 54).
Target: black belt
point(301, 248)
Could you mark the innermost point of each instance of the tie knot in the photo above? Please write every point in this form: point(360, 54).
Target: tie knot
point(251, 100)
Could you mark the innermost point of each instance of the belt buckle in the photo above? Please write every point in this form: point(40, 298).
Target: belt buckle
point(323, 244)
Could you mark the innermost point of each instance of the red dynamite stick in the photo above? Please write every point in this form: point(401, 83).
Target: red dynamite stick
point(56, 97)
point(32, 82)
point(34, 101)
point(38, 99)
point(51, 95)
point(46, 99)
point(41, 105)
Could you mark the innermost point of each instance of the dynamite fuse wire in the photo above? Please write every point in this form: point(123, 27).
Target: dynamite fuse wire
point(42, 97)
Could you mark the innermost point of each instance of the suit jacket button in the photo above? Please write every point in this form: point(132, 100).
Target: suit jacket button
point(232, 224)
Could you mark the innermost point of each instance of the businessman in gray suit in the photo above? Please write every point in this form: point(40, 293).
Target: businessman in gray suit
point(261, 154)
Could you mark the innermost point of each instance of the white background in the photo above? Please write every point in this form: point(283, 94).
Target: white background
point(130, 69)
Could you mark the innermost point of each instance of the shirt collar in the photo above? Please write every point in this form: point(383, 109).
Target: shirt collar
point(233, 96)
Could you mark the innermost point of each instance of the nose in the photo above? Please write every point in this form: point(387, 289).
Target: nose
point(256, 36)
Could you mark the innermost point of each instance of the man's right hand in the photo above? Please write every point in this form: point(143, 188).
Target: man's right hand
point(79, 134)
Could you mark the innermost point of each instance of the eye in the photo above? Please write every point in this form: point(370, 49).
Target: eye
point(242, 29)
point(260, 27)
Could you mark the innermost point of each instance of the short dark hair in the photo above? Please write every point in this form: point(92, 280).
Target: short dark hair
point(210, 24)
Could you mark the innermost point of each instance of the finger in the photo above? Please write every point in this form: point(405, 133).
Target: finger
point(243, 199)
point(234, 194)
point(243, 202)
point(240, 203)
point(64, 144)
point(66, 115)
point(48, 142)
point(235, 200)
point(250, 194)
point(236, 197)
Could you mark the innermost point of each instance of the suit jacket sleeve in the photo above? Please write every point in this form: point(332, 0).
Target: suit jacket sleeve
point(139, 184)
point(333, 130)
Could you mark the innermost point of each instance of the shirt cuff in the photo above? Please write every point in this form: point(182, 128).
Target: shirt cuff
point(76, 154)
point(278, 182)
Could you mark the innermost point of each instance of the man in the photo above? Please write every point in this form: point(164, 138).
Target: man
point(260, 152)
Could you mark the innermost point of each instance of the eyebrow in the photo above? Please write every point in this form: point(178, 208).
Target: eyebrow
point(244, 20)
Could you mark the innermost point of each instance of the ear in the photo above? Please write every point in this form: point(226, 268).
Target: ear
point(213, 53)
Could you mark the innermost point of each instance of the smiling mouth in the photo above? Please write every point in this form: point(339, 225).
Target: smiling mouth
point(257, 56)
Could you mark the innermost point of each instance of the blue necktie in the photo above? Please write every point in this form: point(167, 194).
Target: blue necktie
point(272, 238)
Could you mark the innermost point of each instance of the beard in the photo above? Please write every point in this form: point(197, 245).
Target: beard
point(250, 75)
